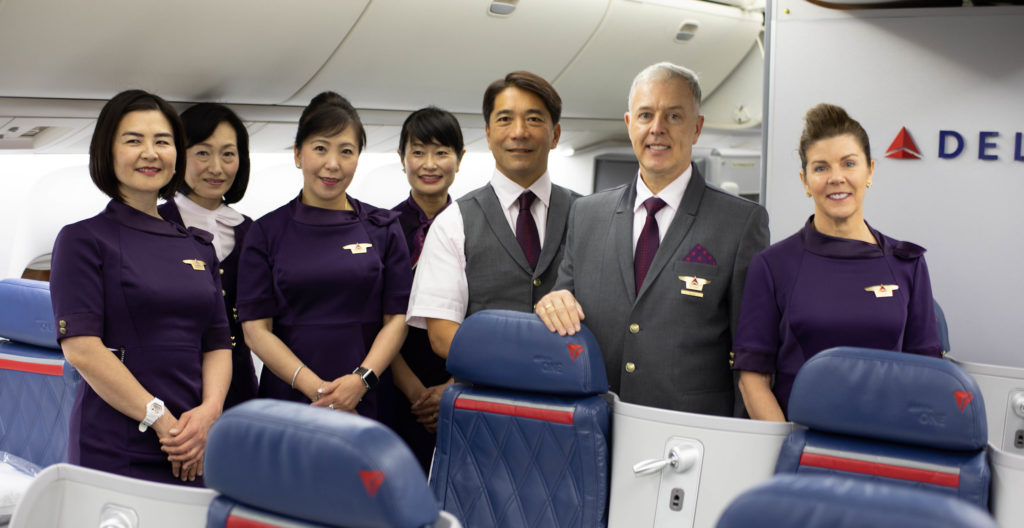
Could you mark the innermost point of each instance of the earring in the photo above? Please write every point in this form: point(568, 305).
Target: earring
point(808, 193)
point(869, 185)
point(298, 165)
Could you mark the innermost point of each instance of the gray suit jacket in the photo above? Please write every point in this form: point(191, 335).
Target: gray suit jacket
point(664, 348)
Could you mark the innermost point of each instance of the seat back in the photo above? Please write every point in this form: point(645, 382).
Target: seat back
point(527, 443)
point(793, 501)
point(37, 387)
point(890, 417)
point(283, 463)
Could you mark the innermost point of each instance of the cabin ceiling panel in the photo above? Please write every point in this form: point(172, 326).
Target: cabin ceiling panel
point(241, 51)
point(597, 82)
point(406, 54)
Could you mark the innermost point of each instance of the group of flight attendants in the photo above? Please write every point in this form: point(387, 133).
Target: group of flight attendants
point(158, 306)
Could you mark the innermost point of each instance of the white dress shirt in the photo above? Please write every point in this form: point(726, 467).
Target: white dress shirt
point(672, 195)
point(220, 222)
point(439, 288)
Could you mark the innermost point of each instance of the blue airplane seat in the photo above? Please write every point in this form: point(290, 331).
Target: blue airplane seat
point(280, 463)
point(796, 501)
point(889, 417)
point(527, 443)
point(37, 387)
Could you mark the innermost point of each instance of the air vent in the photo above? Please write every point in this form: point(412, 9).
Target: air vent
point(687, 30)
point(503, 7)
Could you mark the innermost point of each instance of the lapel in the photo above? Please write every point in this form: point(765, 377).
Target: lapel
point(495, 216)
point(558, 217)
point(622, 230)
point(677, 230)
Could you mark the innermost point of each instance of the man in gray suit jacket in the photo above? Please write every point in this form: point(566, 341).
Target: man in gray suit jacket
point(487, 250)
point(656, 268)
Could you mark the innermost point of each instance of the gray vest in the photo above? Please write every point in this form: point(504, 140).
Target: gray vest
point(496, 269)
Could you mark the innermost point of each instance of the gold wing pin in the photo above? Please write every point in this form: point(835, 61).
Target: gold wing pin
point(357, 248)
point(882, 290)
point(196, 264)
point(694, 285)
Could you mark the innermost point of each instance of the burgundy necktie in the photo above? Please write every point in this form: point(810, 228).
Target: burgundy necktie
point(647, 244)
point(526, 229)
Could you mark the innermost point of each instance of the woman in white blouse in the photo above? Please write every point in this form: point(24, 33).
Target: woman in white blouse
point(217, 174)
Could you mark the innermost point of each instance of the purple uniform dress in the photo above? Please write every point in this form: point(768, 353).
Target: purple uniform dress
point(811, 292)
point(326, 278)
point(150, 290)
point(428, 366)
point(243, 373)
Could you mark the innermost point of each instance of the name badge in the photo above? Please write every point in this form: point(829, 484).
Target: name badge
point(882, 290)
point(694, 286)
point(196, 264)
point(358, 248)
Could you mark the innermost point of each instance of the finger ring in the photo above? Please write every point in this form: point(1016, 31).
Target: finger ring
point(331, 406)
point(550, 307)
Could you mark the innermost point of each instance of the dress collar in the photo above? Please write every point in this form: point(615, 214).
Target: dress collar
point(126, 215)
point(307, 214)
point(422, 216)
point(835, 247)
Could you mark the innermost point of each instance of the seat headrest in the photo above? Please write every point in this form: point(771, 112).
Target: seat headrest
point(890, 396)
point(317, 465)
point(812, 501)
point(514, 350)
point(26, 315)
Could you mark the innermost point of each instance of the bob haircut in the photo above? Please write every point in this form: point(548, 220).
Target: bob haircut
point(101, 148)
point(200, 121)
point(826, 121)
point(328, 114)
point(530, 82)
point(432, 124)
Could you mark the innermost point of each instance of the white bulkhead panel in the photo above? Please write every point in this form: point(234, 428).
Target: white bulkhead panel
point(92, 50)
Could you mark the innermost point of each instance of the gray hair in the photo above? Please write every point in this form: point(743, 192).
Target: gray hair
point(663, 71)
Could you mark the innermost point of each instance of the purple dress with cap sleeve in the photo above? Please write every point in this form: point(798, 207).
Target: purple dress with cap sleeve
point(150, 290)
point(326, 278)
point(811, 292)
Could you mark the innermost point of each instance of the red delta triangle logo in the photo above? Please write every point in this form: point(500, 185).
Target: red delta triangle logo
point(962, 399)
point(903, 147)
point(372, 481)
point(575, 351)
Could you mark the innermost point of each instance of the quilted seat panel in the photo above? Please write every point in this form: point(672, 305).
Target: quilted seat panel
point(494, 469)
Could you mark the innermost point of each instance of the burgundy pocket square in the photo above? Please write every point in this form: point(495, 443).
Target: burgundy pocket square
point(700, 255)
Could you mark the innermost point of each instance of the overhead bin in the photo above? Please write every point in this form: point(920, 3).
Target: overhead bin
point(405, 54)
point(92, 50)
point(713, 39)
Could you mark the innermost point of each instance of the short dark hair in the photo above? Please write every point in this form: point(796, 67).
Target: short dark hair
point(826, 121)
point(200, 121)
point(432, 124)
point(101, 148)
point(530, 82)
point(328, 114)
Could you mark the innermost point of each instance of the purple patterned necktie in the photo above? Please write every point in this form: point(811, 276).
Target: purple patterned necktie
point(420, 238)
point(647, 244)
point(526, 229)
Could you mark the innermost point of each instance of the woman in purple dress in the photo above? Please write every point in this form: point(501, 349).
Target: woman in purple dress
point(431, 148)
point(216, 176)
point(837, 282)
point(138, 307)
point(324, 280)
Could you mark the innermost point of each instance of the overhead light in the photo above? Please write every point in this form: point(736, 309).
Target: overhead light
point(503, 7)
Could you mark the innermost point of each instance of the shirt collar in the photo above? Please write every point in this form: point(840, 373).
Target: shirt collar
point(223, 214)
point(126, 215)
point(307, 214)
point(508, 191)
point(672, 194)
point(835, 247)
point(411, 204)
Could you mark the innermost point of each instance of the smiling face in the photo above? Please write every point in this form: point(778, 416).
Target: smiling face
point(836, 176)
point(663, 126)
point(430, 167)
point(144, 156)
point(521, 133)
point(328, 164)
point(212, 165)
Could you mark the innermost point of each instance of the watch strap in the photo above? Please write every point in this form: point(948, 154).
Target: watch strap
point(368, 376)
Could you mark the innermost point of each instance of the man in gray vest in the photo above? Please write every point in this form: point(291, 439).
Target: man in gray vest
point(659, 265)
point(498, 246)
